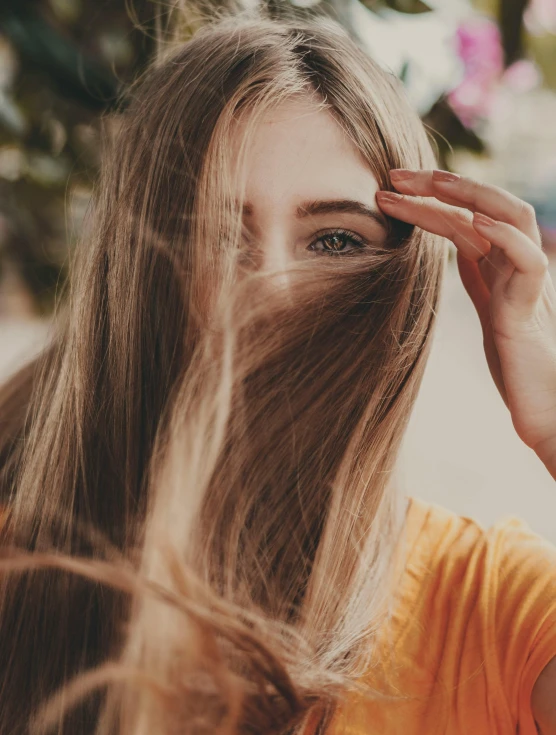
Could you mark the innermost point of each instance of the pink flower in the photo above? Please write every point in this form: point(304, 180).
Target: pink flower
point(479, 46)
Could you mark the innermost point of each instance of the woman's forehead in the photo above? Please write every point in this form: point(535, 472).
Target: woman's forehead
point(298, 151)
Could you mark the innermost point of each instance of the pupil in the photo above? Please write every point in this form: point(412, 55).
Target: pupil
point(336, 242)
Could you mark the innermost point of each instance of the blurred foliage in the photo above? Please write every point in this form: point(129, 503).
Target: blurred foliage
point(64, 62)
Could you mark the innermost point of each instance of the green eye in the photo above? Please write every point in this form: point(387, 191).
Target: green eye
point(337, 242)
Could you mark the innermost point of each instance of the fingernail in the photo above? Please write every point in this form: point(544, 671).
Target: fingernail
point(400, 174)
point(445, 176)
point(389, 197)
point(482, 219)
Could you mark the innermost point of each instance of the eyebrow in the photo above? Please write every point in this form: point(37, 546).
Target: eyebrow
point(334, 206)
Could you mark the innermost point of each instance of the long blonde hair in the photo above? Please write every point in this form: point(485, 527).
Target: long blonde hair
point(235, 452)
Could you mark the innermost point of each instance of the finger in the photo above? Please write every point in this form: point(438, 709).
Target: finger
point(522, 277)
point(495, 266)
point(454, 223)
point(453, 189)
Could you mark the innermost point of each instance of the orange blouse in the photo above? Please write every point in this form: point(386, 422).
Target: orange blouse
point(474, 624)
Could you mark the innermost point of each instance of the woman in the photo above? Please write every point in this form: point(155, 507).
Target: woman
point(226, 395)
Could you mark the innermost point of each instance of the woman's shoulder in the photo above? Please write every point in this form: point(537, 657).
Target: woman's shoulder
point(454, 558)
point(442, 544)
point(475, 613)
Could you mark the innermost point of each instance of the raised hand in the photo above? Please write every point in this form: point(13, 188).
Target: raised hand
point(505, 272)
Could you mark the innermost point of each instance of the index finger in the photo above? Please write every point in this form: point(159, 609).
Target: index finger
point(489, 199)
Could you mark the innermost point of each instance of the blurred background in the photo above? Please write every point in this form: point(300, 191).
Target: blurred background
point(481, 74)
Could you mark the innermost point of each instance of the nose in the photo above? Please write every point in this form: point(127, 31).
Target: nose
point(275, 257)
point(276, 265)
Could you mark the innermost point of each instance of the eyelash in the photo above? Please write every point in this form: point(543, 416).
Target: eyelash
point(345, 234)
